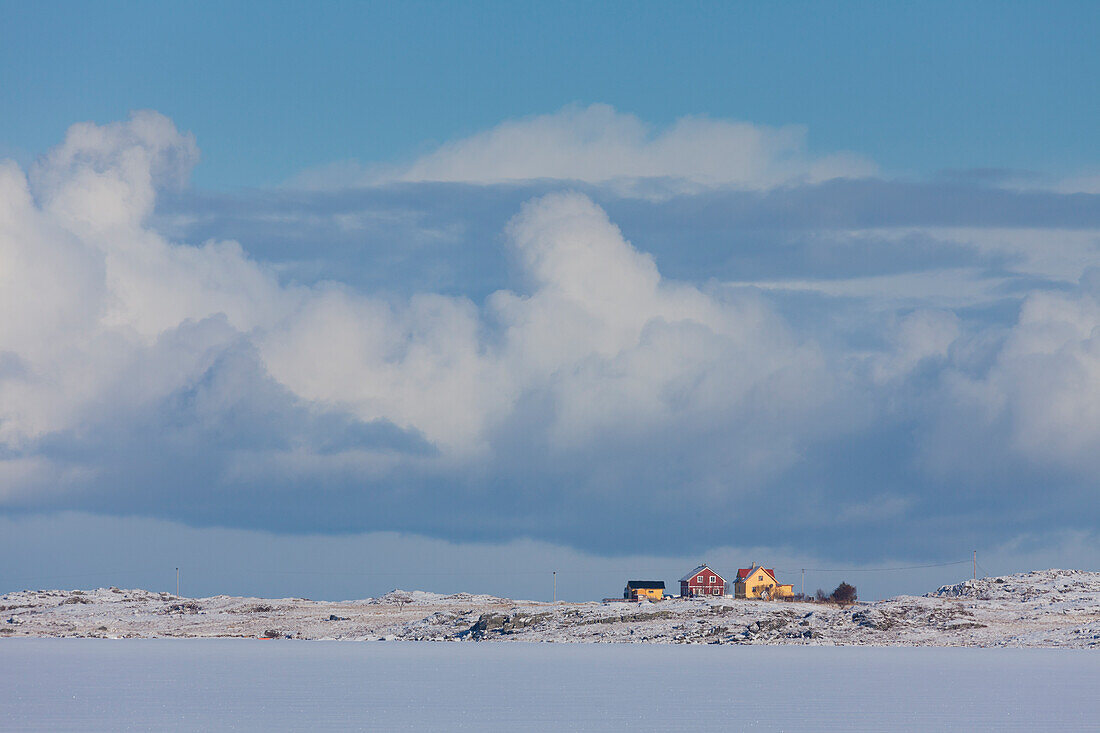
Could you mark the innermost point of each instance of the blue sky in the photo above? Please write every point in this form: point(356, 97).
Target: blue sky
point(274, 88)
point(491, 287)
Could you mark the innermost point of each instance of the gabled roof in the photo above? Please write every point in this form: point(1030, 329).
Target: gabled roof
point(645, 584)
point(695, 572)
point(743, 573)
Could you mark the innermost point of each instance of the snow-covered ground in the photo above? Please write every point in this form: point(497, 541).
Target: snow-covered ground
point(1052, 608)
point(246, 684)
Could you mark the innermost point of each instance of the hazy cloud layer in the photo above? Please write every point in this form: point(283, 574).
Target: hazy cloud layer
point(597, 144)
point(74, 550)
point(566, 363)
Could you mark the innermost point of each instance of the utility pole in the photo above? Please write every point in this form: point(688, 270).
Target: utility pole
point(975, 564)
point(803, 581)
point(177, 582)
point(555, 586)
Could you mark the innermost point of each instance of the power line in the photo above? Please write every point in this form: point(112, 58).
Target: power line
point(393, 573)
point(455, 573)
point(92, 574)
point(874, 570)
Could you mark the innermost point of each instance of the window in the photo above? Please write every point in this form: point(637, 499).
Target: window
point(712, 578)
point(761, 577)
point(699, 579)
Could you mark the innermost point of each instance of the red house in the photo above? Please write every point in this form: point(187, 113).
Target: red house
point(702, 581)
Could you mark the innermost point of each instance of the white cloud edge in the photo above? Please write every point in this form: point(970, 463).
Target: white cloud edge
point(595, 144)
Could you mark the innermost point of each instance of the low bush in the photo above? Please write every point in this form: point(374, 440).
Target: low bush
point(844, 595)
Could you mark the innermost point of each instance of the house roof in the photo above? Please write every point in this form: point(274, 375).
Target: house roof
point(645, 584)
point(743, 573)
point(695, 572)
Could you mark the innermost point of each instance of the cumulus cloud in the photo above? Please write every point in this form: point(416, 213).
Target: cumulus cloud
point(109, 321)
point(597, 144)
point(90, 296)
point(918, 337)
point(192, 381)
point(106, 175)
point(1044, 384)
point(598, 331)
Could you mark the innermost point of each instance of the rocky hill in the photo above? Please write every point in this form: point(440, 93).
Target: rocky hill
point(1051, 608)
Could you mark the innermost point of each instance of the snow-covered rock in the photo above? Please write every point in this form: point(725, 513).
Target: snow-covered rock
point(1051, 608)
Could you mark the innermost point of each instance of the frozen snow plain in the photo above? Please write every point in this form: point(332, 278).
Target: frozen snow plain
point(248, 684)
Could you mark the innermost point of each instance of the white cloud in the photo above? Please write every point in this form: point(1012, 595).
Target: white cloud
point(592, 360)
point(1022, 398)
point(1052, 253)
point(942, 288)
point(418, 364)
point(1087, 182)
point(597, 144)
point(89, 294)
point(620, 347)
point(614, 345)
point(1048, 377)
point(103, 315)
point(1011, 257)
point(916, 338)
point(106, 176)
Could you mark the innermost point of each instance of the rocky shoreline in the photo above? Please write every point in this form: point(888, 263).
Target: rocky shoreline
point(1050, 608)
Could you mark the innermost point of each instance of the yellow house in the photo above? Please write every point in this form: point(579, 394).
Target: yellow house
point(641, 590)
point(759, 582)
